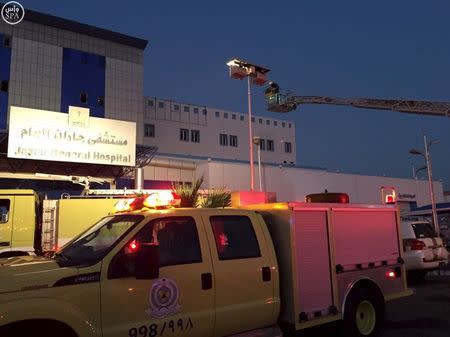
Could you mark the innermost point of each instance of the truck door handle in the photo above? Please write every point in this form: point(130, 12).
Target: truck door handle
point(206, 281)
point(266, 277)
point(4, 244)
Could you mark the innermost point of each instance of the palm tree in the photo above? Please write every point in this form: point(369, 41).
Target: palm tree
point(190, 196)
point(188, 193)
point(218, 197)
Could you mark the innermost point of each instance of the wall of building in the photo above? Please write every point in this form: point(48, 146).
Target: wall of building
point(292, 183)
point(447, 196)
point(40, 79)
point(295, 183)
point(83, 74)
point(168, 117)
point(5, 57)
point(124, 93)
point(35, 75)
point(172, 170)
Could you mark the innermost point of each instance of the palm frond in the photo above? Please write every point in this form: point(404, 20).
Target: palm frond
point(188, 193)
point(217, 198)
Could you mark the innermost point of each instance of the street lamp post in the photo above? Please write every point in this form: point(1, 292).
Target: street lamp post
point(255, 74)
point(427, 158)
point(415, 171)
point(257, 142)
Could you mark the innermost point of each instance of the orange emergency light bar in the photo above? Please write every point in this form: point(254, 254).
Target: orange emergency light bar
point(160, 199)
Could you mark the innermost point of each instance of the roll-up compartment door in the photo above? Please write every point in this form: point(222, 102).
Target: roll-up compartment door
point(365, 236)
point(312, 258)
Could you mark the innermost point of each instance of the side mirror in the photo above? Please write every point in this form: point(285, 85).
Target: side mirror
point(147, 262)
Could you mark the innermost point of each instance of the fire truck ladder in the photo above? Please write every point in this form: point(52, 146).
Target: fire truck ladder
point(49, 224)
point(285, 102)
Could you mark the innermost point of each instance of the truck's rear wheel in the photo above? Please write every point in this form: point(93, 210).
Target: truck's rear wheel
point(364, 313)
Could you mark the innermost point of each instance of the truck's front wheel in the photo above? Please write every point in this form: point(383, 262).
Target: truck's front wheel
point(37, 328)
point(364, 313)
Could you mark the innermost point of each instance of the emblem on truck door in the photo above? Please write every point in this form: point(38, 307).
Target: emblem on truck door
point(163, 299)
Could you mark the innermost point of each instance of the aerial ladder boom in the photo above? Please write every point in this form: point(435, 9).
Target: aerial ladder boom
point(285, 102)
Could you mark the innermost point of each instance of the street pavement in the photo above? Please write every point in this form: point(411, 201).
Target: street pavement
point(424, 314)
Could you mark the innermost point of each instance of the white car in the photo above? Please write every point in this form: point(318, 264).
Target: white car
point(423, 250)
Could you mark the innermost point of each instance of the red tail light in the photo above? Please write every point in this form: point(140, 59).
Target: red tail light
point(414, 244)
point(390, 274)
point(393, 274)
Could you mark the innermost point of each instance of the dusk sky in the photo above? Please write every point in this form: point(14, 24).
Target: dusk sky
point(380, 49)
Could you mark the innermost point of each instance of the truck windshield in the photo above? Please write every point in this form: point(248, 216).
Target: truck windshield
point(93, 244)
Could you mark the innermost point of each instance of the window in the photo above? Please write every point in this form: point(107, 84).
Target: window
point(176, 239)
point(150, 103)
point(235, 237)
point(149, 130)
point(93, 244)
point(217, 114)
point(4, 86)
point(270, 146)
point(83, 97)
point(262, 144)
point(423, 230)
point(225, 115)
point(275, 123)
point(186, 109)
point(195, 136)
point(7, 41)
point(260, 121)
point(176, 107)
point(4, 210)
point(287, 147)
point(290, 125)
point(223, 139)
point(196, 110)
point(161, 105)
point(267, 122)
point(101, 101)
point(204, 112)
point(233, 141)
point(253, 119)
point(184, 135)
point(241, 118)
point(283, 124)
point(233, 116)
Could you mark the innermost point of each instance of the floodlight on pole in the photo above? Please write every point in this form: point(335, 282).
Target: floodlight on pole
point(415, 151)
point(255, 74)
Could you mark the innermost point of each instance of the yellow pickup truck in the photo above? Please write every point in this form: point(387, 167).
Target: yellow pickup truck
point(255, 270)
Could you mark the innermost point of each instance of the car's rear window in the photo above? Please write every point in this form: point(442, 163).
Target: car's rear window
point(423, 230)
